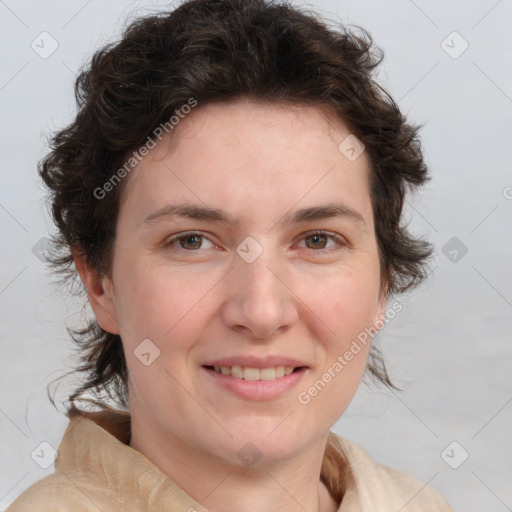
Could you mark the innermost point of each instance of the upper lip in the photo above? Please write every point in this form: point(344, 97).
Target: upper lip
point(256, 362)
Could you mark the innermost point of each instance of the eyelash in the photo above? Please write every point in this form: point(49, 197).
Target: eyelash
point(336, 238)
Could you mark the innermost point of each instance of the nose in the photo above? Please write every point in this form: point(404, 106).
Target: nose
point(259, 304)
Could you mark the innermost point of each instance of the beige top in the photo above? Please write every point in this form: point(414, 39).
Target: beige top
point(96, 471)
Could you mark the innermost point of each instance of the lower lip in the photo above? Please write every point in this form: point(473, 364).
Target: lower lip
point(256, 389)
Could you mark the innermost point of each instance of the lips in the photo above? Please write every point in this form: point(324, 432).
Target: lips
point(251, 383)
point(255, 368)
point(248, 361)
point(251, 373)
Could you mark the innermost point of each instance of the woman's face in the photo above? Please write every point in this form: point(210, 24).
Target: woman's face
point(238, 277)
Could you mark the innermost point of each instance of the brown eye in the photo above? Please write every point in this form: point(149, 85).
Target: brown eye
point(318, 241)
point(190, 242)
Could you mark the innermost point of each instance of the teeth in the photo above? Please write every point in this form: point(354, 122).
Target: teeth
point(248, 373)
point(279, 371)
point(267, 373)
point(237, 372)
point(251, 373)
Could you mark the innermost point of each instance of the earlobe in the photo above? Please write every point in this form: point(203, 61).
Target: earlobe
point(99, 291)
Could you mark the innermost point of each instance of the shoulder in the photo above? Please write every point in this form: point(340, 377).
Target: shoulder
point(54, 493)
point(87, 470)
point(378, 487)
point(420, 496)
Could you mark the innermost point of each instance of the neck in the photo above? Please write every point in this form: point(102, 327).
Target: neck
point(288, 485)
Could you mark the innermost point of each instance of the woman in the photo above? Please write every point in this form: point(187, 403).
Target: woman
point(230, 194)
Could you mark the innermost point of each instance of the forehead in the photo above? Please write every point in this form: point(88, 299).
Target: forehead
point(252, 157)
point(237, 121)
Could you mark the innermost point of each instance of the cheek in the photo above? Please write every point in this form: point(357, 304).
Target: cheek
point(345, 306)
point(156, 303)
point(345, 313)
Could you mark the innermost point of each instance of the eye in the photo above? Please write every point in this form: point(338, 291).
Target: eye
point(316, 240)
point(319, 239)
point(187, 241)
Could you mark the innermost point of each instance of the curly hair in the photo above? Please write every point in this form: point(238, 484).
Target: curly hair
point(217, 51)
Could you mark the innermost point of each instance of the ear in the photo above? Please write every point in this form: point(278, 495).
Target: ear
point(100, 292)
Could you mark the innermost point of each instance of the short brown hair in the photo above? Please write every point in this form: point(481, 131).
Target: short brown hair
point(215, 51)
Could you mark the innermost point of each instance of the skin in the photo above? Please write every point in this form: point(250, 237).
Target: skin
point(198, 302)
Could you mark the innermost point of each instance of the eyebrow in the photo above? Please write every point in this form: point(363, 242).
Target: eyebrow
point(205, 213)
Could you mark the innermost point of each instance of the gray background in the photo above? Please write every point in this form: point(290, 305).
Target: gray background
point(450, 347)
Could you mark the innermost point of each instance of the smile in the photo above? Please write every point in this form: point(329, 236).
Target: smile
point(252, 383)
point(249, 373)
